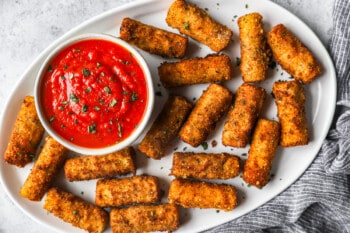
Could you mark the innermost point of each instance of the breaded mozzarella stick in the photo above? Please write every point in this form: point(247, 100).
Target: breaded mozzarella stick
point(153, 40)
point(197, 23)
point(166, 127)
point(255, 54)
point(290, 99)
point(126, 191)
point(212, 68)
point(143, 218)
point(210, 107)
point(262, 152)
point(200, 194)
point(242, 116)
point(102, 166)
point(76, 211)
point(48, 164)
point(26, 135)
point(293, 55)
point(205, 166)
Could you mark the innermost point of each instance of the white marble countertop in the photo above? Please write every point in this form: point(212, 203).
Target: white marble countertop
point(28, 27)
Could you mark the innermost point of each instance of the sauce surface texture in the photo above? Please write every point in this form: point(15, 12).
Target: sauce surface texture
point(94, 93)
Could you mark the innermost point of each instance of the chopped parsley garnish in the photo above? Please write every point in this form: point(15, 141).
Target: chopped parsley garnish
point(49, 68)
point(92, 128)
point(134, 97)
point(88, 90)
point(113, 103)
point(84, 108)
point(205, 145)
point(107, 89)
point(86, 72)
point(187, 26)
point(238, 61)
point(120, 130)
point(52, 119)
point(73, 98)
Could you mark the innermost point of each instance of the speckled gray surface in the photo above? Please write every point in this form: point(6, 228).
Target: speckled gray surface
point(28, 27)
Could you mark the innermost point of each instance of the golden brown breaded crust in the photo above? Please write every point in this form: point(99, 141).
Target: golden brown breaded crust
point(26, 135)
point(102, 166)
point(166, 127)
point(262, 151)
point(197, 23)
point(242, 116)
point(212, 68)
point(200, 194)
point(126, 191)
point(75, 210)
point(293, 55)
point(205, 166)
point(142, 218)
point(255, 53)
point(210, 107)
point(290, 100)
point(152, 39)
point(48, 164)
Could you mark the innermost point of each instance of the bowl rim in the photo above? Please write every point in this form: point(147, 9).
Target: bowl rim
point(148, 110)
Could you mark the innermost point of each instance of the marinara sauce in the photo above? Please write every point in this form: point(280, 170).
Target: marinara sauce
point(94, 93)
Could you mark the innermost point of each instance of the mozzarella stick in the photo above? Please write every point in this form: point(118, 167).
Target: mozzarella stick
point(75, 210)
point(126, 191)
point(102, 166)
point(142, 218)
point(166, 127)
point(26, 135)
point(153, 40)
point(45, 169)
point(210, 107)
point(200, 194)
point(242, 116)
point(205, 166)
point(293, 55)
point(198, 24)
point(212, 68)
point(255, 54)
point(261, 154)
point(290, 100)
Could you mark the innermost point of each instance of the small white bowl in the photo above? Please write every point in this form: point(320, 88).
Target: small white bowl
point(69, 144)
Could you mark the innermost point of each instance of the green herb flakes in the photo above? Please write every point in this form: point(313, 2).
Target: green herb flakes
point(134, 97)
point(187, 26)
point(113, 103)
point(73, 98)
point(120, 130)
point(49, 68)
point(86, 72)
point(107, 90)
point(92, 128)
point(84, 108)
point(204, 145)
point(88, 90)
point(52, 119)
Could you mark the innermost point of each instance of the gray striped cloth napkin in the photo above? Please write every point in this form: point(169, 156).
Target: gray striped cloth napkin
point(319, 201)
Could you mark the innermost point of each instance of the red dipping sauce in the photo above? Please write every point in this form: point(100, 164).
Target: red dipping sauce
point(94, 93)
